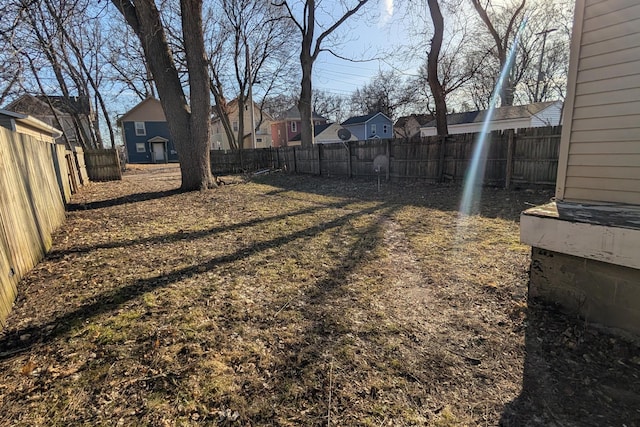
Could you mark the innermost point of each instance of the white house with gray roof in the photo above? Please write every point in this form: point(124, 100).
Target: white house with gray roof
point(539, 114)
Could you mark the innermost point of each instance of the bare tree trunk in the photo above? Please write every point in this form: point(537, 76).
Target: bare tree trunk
point(432, 68)
point(305, 101)
point(221, 105)
point(502, 47)
point(188, 125)
point(87, 72)
point(241, 102)
point(196, 173)
point(311, 48)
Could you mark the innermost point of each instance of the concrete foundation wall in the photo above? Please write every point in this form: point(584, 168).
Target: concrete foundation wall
point(600, 292)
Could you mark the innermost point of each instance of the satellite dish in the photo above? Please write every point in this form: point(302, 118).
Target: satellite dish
point(344, 134)
point(381, 163)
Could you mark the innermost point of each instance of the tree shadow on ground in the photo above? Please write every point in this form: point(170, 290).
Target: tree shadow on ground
point(575, 374)
point(492, 203)
point(13, 342)
point(188, 235)
point(124, 200)
point(308, 362)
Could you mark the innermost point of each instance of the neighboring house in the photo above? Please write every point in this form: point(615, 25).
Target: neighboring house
point(586, 243)
point(317, 130)
point(324, 134)
point(67, 111)
point(371, 126)
point(329, 135)
point(539, 114)
point(27, 125)
point(146, 134)
point(283, 132)
point(408, 127)
point(219, 140)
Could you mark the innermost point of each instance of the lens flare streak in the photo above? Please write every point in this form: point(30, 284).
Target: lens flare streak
point(475, 173)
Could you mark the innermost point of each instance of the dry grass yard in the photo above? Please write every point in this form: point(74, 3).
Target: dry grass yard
point(300, 301)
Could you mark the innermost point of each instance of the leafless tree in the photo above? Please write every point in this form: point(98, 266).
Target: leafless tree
point(52, 41)
point(128, 71)
point(546, 40)
point(387, 92)
point(329, 105)
point(250, 48)
point(512, 14)
point(433, 58)
point(276, 105)
point(311, 46)
point(188, 121)
point(540, 57)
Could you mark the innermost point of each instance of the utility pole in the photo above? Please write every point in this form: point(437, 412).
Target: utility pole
point(544, 41)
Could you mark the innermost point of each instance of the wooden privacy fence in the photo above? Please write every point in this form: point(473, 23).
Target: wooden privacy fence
point(31, 206)
point(236, 161)
point(523, 157)
point(103, 165)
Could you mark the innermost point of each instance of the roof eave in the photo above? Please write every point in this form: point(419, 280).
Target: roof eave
point(32, 121)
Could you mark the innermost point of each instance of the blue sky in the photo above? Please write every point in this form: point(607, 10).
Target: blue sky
point(376, 37)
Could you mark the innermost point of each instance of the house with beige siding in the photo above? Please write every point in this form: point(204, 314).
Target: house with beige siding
point(586, 244)
point(218, 136)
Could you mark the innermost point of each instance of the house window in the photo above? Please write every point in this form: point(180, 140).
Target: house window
point(294, 127)
point(385, 129)
point(140, 129)
point(235, 126)
point(258, 139)
point(373, 129)
point(140, 147)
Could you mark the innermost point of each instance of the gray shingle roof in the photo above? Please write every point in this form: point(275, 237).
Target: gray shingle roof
point(358, 119)
point(317, 129)
point(501, 113)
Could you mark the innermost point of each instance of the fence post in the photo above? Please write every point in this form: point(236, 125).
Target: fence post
point(319, 159)
point(442, 141)
point(295, 162)
point(509, 168)
point(387, 151)
point(348, 146)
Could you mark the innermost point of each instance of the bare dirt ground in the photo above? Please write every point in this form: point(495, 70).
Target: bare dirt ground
point(300, 301)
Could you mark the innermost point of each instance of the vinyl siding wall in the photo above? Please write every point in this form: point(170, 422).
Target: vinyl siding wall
point(550, 116)
point(600, 151)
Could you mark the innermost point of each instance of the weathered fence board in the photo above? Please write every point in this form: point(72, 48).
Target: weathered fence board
point(237, 161)
point(522, 157)
point(103, 165)
point(31, 208)
point(59, 152)
point(535, 158)
point(80, 165)
point(334, 160)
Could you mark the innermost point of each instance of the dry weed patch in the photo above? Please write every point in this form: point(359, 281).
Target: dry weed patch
point(297, 301)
